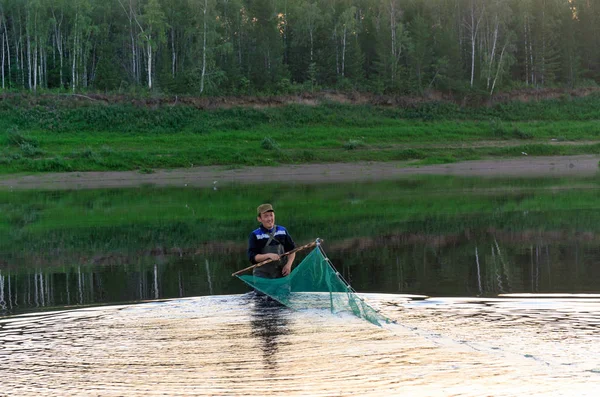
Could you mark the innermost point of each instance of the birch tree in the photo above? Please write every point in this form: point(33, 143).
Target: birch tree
point(472, 23)
point(57, 10)
point(310, 19)
point(131, 10)
point(393, 39)
point(205, 21)
point(152, 26)
point(79, 42)
point(3, 39)
point(180, 28)
point(495, 41)
point(347, 28)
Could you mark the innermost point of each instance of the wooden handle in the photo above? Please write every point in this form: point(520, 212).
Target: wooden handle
point(314, 243)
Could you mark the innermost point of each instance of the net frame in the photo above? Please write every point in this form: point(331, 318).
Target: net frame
point(326, 289)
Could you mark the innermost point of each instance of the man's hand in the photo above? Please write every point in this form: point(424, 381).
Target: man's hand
point(268, 256)
point(286, 269)
point(272, 256)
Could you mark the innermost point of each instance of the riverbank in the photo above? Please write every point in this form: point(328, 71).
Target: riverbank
point(69, 136)
point(215, 176)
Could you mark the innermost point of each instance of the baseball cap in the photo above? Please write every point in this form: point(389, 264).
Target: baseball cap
point(264, 208)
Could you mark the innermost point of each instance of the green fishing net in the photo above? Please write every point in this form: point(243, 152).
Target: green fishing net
point(315, 284)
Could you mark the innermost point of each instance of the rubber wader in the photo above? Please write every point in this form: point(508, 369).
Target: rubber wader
point(271, 269)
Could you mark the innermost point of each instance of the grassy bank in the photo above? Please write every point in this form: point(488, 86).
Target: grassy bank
point(74, 136)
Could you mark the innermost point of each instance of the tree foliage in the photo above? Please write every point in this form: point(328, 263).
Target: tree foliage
point(276, 46)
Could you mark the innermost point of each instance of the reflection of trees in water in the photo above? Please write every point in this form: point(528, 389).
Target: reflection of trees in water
point(140, 279)
point(269, 322)
point(3, 304)
point(472, 262)
point(468, 263)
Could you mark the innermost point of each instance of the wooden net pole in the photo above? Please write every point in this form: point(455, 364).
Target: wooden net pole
point(309, 245)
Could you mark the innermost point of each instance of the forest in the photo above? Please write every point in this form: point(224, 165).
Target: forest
point(253, 47)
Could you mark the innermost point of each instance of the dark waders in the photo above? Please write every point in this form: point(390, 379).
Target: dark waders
point(271, 269)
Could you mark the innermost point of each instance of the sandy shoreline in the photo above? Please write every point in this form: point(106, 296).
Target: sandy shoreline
point(584, 165)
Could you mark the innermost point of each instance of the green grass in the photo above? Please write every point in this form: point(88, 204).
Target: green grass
point(96, 137)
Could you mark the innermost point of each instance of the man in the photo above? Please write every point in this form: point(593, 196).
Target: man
point(269, 241)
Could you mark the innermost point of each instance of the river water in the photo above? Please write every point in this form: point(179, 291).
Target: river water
point(492, 286)
point(234, 345)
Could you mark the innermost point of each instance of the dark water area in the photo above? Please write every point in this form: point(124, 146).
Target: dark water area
point(428, 236)
point(410, 268)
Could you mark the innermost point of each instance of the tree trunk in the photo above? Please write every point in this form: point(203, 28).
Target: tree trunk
point(344, 51)
point(498, 69)
point(311, 45)
point(59, 46)
point(474, 28)
point(526, 52)
point(543, 60)
point(395, 53)
point(35, 66)
point(74, 63)
point(61, 59)
point(204, 47)
point(84, 66)
point(139, 51)
point(133, 58)
point(531, 60)
point(7, 52)
point(337, 52)
point(45, 68)
point(35, 53)
point(173, 53)
point(28, 58)
point(473, 35)
point(93, 69)
point(2, 38)
point(149, 52)
point(493, 53)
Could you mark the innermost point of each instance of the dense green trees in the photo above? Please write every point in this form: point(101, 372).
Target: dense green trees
point(268, 46)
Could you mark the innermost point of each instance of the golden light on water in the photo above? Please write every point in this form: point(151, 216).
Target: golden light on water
point(232, 345)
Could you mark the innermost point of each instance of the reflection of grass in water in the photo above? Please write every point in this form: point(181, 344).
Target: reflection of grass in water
point(146, 218)
point(419, 233)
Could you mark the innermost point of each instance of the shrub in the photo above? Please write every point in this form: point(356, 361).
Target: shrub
point(30, 150)
point(16, 138)
point(307, 155)
point(353, 144)
point(106, 150)
point(517, 133)
point(269, 143)
point(409, 154)
point(498, 129)
point(56, 164)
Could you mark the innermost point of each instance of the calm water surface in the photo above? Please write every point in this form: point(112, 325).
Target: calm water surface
point(129, 292)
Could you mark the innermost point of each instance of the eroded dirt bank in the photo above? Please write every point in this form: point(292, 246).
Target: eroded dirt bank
point(304, 98)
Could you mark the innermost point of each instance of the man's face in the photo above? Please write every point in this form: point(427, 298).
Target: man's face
point(267, 219)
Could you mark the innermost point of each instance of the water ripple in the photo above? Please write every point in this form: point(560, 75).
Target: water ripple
point(236, 345)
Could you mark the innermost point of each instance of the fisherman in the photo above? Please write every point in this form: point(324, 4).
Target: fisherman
point(269, 241)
